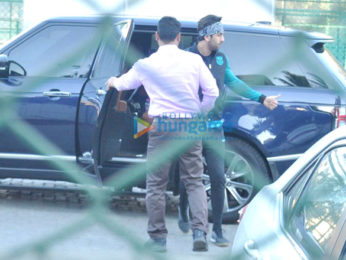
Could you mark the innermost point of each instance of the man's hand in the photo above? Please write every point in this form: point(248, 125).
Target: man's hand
point(271, 102)
point(110, 83)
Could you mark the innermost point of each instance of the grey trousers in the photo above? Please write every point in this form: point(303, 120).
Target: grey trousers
point(191, 169)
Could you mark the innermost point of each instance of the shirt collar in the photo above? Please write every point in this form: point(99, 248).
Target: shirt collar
point(168, 47)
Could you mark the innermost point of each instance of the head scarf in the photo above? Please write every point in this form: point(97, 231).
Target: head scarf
point(212, 29)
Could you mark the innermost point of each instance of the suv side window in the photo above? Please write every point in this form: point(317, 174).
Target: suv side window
point(42, 54)
point(321, 204)
point(267, 59)
point(112, 52)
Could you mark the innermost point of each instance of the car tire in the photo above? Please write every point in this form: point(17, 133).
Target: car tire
point(246, 173)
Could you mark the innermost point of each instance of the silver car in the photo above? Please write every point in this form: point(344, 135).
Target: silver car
point(303, 214)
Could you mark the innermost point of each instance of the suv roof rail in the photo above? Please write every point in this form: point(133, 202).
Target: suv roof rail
point(264, 22)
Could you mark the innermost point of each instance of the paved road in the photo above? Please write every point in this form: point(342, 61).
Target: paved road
point(26, 218)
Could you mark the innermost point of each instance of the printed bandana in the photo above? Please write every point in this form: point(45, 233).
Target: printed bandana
point(211, 29)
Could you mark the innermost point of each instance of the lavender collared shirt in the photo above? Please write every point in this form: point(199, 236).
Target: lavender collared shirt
point(171, 78)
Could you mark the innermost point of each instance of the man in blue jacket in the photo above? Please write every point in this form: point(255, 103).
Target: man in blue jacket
point(210, 38)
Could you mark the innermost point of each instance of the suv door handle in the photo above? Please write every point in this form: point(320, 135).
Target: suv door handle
point(56, 93)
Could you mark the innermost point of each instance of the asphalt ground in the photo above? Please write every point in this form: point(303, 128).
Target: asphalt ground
point(27, 217)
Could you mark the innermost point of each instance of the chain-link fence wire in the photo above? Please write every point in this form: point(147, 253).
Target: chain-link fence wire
point(324, 16)
point(98, 211)
point(11, 23)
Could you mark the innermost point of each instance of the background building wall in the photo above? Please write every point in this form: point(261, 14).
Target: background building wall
point(236, 10)
point(326, 16)
point(11, 18)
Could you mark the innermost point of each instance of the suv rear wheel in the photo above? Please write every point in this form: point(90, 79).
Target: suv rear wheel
point(246, 173)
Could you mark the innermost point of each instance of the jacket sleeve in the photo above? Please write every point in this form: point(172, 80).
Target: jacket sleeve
point(240, 87)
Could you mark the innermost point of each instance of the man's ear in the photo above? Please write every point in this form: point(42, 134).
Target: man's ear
point(178, 38)
point(207, 38)
point(157, 37)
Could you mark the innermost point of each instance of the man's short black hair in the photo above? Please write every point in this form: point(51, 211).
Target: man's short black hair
point(208, 20)
point(168, 28)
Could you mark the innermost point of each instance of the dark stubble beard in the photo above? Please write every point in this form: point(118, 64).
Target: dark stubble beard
point(212, 47)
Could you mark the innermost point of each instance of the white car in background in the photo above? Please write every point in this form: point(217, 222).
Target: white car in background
point(301, 215)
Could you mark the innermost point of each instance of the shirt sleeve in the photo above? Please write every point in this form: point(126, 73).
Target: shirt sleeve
point(127, 81)
point(239, 86)
point(209, 88)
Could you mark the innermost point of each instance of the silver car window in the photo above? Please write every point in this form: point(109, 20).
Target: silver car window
point(325, 198)
point(321, 204)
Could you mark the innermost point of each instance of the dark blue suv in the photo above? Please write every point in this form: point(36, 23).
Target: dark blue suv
point(56, 74)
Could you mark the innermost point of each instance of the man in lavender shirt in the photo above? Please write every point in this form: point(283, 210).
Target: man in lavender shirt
point(172, 77)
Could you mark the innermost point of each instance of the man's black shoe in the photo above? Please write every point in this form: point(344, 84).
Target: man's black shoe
point(183, 221)
point(199, 241)
point(156, 244)
point(218, 239)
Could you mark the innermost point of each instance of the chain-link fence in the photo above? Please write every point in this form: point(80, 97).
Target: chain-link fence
point(327, 16)
point(98, 211)
point(11, 18)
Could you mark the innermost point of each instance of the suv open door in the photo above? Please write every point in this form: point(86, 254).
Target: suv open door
point(113, 115)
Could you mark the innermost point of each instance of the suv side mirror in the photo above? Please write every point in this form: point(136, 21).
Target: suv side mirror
point(10, 67)
point(4, 66)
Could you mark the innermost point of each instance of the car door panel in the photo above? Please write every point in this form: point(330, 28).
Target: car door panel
point(47, 98)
